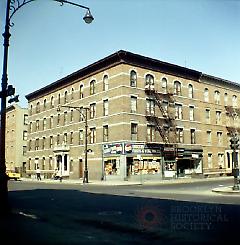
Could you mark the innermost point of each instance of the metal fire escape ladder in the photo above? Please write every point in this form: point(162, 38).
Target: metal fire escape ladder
point(232, 112)
point(169, 120)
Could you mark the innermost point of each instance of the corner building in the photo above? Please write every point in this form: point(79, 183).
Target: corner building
point(147, 119)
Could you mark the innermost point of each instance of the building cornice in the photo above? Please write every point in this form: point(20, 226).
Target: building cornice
point(125, 57)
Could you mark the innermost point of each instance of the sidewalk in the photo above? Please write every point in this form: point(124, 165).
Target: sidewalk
point(126, 183)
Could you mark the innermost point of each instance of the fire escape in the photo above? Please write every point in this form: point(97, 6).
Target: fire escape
point(232, 113)
point(166, 124)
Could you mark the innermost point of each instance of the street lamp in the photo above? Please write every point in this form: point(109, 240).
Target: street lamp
point(12, 7)
point(85, 175)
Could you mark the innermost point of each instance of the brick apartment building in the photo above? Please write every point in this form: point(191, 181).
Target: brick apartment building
point(16, 138)
point(146, 118)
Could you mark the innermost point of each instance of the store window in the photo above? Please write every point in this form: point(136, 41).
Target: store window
point(111, 167)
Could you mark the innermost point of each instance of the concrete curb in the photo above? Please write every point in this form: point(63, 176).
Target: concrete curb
point(226, 190)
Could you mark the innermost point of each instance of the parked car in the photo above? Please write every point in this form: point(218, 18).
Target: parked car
point(13, 175)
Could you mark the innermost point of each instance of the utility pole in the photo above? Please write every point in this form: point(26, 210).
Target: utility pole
point(235, 170)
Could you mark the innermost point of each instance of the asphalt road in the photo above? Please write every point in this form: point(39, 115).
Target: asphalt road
point(85, 214)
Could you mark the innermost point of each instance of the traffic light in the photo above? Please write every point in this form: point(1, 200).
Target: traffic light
point(234, 142)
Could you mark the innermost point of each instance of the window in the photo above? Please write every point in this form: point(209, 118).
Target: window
point(220, 159)
point(179, 135)
point(44, 104)
point(65, 138)
point(150, 133)
point(133, 79)
point(65, 97)
point(72, 94)
point(51, 141)
point(234, 100)
point(25, 119)
point(65, 118)
point(37, 144)
point(209, 160)
point(191, 113)
point(31, 110)
point(30, 145)
point(193, 136)
point(80, 137)
point(164, 85)
point(24, 150)
point(190, 91)
point(38, 107)
point(178, 111)
point(52, 102)
point(44, 123)
point(206, 95)
point(37, 125)
point(133, 104)
point(105, 133)
point(92, 135)
point(25, 135)
point(59, 99)
point(105, 108)
point(217, 97)
point(81, 116)
point(149, 80)
point(92, 87)
point(51, 122)
point(218, 117)
point(92, 110)
point(134, 131)
point(30, 127)
point(207, 115)
point(50, 163)
point(58, 139)
point(71, 137)
point(81, 91)
point(105, 82)
point(71, 116)
point(150, 107)
point(43, 163)
point(209, 137)
point(43, 143)
point(177, 88)
point(219, 138)
point(225, 99)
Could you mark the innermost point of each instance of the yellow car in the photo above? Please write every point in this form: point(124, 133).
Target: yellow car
point(13, 175)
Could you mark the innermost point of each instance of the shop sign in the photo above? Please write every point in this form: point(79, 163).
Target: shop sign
point(141, 149)
point(195, 155)
point(113, 149)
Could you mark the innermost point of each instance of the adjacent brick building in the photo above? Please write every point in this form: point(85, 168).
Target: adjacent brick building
point(146, 118)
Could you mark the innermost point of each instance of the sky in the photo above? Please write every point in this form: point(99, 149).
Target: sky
point(49, 41)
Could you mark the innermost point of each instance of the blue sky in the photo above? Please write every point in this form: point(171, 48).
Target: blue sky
point(49, 42)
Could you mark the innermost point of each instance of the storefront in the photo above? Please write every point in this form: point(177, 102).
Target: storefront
point(128, 160)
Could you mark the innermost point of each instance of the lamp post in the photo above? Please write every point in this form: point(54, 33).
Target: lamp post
point(85, 115)
point(12, 7)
